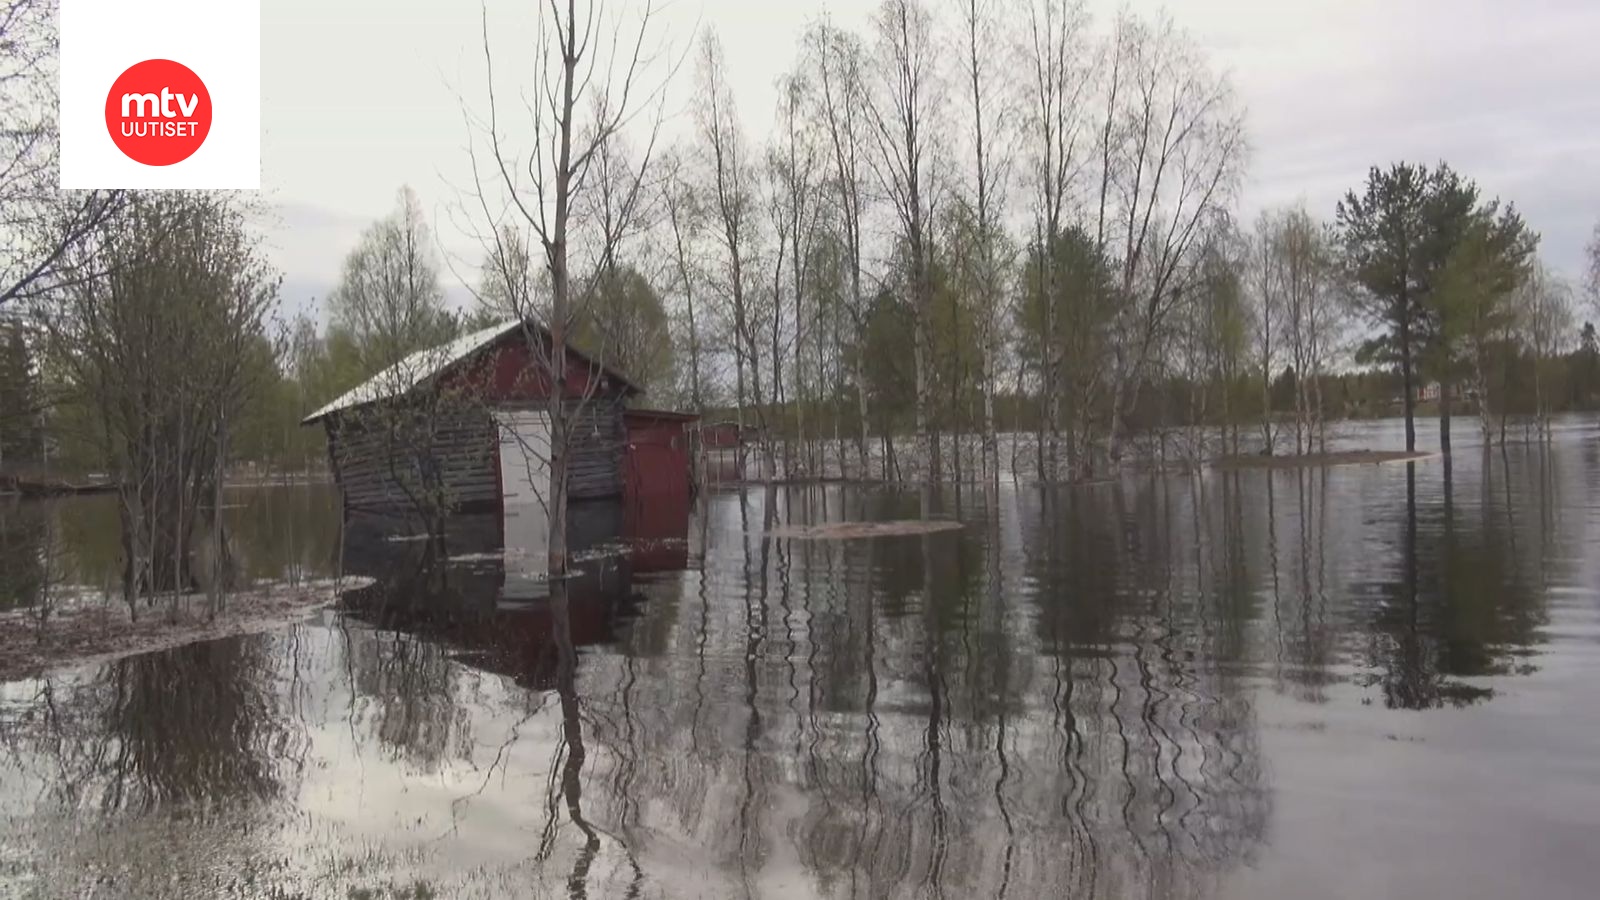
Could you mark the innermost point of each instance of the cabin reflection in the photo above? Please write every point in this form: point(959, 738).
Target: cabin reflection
point(484, 599)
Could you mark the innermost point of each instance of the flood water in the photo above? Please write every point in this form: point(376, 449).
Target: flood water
point(1371, 681)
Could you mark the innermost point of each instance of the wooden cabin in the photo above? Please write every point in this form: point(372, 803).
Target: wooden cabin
point(465, 427)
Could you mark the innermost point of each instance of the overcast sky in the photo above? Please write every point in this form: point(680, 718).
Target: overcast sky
point(362, 96)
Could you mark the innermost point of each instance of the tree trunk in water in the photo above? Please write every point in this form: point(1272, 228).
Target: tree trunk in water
point(1410, 401)
point(991, 446)
point(558, 486)
point(862, 436)
point(1266, 406)
point(1321, 417)
point(1540, 419)
point(1302, 432)
point(1114, 435)
point(1444, 418)
point(1038, 432)
point(1054, 457)
point(1482, 386)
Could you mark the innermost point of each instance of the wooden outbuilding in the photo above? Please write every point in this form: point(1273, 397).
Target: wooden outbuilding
point(465, 427)
point(658, 488)
point(723, 448)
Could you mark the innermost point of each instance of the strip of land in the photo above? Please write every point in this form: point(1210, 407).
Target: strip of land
point(842, 531)
point(99, 630)
point(1318, 460)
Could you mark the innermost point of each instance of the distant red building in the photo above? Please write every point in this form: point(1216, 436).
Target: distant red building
point(723, 445)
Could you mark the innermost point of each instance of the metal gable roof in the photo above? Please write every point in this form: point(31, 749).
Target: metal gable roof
point(408, 373)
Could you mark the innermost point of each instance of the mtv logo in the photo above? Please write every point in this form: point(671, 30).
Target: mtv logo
point(160, 94)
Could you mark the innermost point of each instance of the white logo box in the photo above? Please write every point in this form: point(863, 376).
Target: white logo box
point(219, 39)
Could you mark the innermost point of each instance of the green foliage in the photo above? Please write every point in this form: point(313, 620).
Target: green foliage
point(388, 304)
point(885, 349)
point(1399, 233)
point(1068, 301)
point(955, 354)
point(1471, 300)
point(1435, 268)
point(625, 326)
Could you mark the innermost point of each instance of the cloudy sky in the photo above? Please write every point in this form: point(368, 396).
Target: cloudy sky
point(363, 96)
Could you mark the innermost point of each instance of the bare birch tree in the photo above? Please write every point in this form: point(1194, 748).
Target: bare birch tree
point(732, 199)
point(41, 228)
point(795, 169)
point(388, 300)
point(684, 218)
point(1301, 254)
point(904, 110)
point(1265, 279)
point(1056, 86)
point(1545, 303)
point(837, 58)
point(1173, 149)
point(1592, 275)
point(985, 187)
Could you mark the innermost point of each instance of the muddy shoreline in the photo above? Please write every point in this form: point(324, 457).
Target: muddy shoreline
point(95, 630)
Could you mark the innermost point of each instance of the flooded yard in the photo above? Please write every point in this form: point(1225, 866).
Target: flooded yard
point(1325, 682)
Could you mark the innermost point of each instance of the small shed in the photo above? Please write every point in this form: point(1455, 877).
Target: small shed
point(658, 488)
point(466, 426)
point(657, 462)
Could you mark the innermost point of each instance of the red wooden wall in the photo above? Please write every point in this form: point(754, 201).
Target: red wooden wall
point(657, 489)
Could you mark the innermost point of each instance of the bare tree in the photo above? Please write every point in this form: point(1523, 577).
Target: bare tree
point(41, 228)
point(991, 129)
point(1172, 150)
point(591, 80)
point(1265, 279)
point(684, 217)
point(388, 301)
point(795, 165)
point(1057, 83)
point(904, 111)
point(1301, 254)
point(1592, 277)
point(732, 198)
point(837, 58)
point(1545, 301)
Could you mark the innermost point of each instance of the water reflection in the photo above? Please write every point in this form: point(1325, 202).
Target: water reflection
point(1463, 605)
point(1078, 694)
point(71, 545)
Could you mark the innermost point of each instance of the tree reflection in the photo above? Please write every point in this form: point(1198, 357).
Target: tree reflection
point(959, 714)
point(1461, 606)
point(197, 726)
point(24, 553)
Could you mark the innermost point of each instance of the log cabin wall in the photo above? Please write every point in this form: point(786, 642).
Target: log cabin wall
point(597, 441)
point(377, 473)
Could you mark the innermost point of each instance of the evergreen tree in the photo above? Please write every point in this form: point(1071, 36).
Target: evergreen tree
point(19, 398)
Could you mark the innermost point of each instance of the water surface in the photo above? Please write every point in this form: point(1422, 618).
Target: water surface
point(1364, 681)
